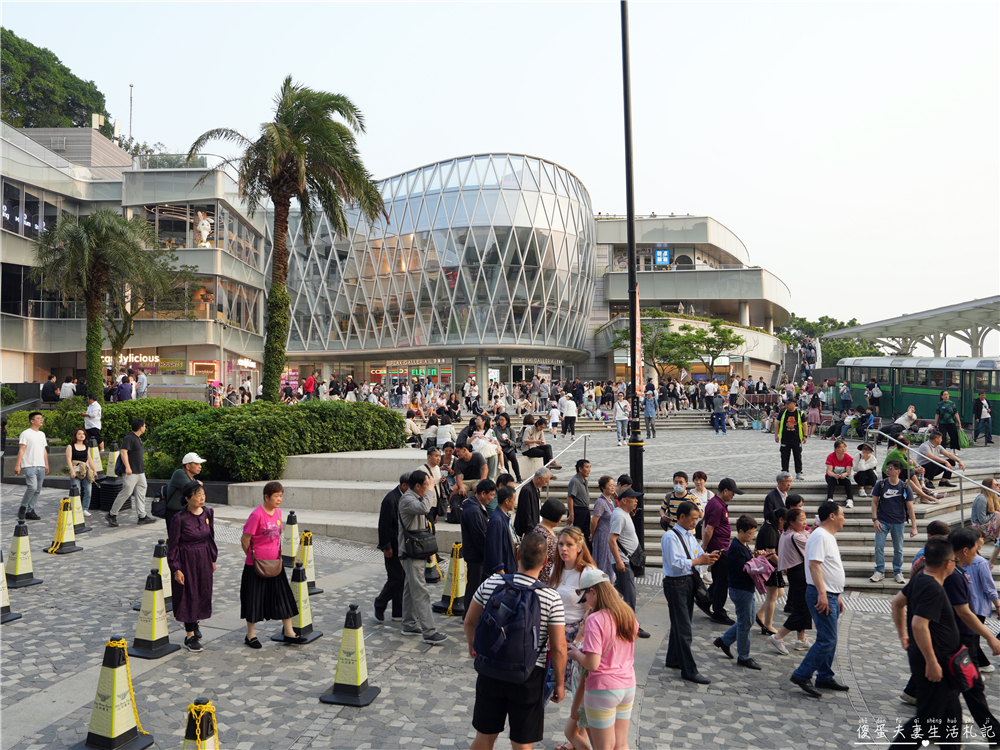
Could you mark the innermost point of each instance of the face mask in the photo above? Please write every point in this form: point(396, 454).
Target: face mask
point(679, 488)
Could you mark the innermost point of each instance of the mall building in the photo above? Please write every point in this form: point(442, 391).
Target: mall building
point(491, 265)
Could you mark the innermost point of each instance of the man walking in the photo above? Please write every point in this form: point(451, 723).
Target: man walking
point(134, 481)
point(33, 460)
point(776, 498)
point(414, 505)
point(719, 413)
point(948, 420)
point(309, 387)
point(624, 542)
point(791, 435)
point(716, 535)
point(578, 501)
point(649, 413)
point(622, 413)
point(388, 542)
point(825, 579)
point(529, 502)
point(982, 416)
point(892, 502)
point(474, 522)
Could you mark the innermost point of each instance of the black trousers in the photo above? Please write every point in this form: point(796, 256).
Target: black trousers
point(569, 425)
point(950, 432)
point(719, 590)
point(935, 700)
point(543, 452)
point(833, 482)
point(975, 697)
point(932, 469)
point(979, 656)
point(788, 450)
point(392, 591)
point(679, 593)
point(581, 519)
point(865, 478)
point(625, 583)
point(510, 458)
point(473, 579)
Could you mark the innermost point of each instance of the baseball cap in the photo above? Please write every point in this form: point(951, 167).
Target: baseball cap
point(629, 492)
point(729, 484)
point(589, 578)
point(192, 458)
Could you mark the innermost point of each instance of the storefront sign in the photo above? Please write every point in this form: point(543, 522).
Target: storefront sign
point(290, 377)
point(248, 364)
point(171, 366)
point(137, 359)
point(412, 362)
point(549, 362)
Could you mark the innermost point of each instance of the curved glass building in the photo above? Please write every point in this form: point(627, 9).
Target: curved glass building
point(484, 262)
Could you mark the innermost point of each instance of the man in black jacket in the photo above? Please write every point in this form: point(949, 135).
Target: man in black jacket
point(388, 542)
point(474, 521)
point(776, 498)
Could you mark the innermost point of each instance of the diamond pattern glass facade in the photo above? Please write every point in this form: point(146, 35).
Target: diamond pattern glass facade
point(488, 252)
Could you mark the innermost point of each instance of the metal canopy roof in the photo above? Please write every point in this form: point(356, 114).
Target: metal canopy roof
point(968, 322)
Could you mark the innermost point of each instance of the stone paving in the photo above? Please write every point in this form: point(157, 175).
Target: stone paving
point(269, 698)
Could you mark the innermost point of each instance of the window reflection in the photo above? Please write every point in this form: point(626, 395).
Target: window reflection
point(172, 225)
point(32, 212)
point(203, 225)
point(11, 207)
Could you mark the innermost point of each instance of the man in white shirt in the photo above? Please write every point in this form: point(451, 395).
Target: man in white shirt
point(92, 420)
point(33, 460)
point(567, 408)
point(825, 579)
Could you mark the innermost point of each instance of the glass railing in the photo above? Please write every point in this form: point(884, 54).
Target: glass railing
point(177, 161)
point(688, 267)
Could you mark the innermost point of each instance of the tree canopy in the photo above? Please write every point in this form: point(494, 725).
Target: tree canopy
point(833, 349)
point(38, 91)
point(670, 351)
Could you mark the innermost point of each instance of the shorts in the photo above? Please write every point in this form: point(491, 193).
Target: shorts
point(496, 701)
point(553, 425)
point(605, 707)
point(94, 432)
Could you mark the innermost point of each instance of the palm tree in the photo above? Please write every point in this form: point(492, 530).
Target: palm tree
point(85, 258)
point(305, 154)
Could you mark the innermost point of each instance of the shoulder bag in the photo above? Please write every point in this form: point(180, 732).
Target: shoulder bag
point(701, 597)
point(159, 505)
point(962, 671)
point(266, 568)
point(417, 545)
point(636, 561)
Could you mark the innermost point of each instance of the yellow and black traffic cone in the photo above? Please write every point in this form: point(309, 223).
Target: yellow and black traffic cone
point(95, 454)
point(5, 614)
point(18, 569)
point(79, 520)
point(113, 454)
point(350, 683)
point(302, 623)
point(290, 540)
point(453, 597)
point(201, 732)
point(65, 541)
point(160, 563)
point(152, 641)
point(306, 553)
point(114, 720)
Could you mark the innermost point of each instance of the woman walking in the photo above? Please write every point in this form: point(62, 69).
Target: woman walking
point(607, 654)
point(192, 555)
point(813, 419)
point(266, 598)
point(767, 544)
point(600, 527)
point(82, 469)
point(791, 561)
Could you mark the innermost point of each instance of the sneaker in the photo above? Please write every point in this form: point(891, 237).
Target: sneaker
point(435, 640)
point(404, 631)
point(799, 477)
point(778, 645)
point(876, 577)
point(86, 514)
point(379, 616)
point(850, 503)
point(192, 643)
point(112, 520)
point(862, 493)
point(908, 699)
point(802, 645)
point(32, 516)
point(396, 618)
point(619, 445)
point(988, 669)
point(147, 519)
point(898, 578)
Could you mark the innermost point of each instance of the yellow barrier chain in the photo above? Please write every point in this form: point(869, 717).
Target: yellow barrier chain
point(197, 712)
point(456, 549)
point(60, 527)
point(302, 547)
point(123, 645)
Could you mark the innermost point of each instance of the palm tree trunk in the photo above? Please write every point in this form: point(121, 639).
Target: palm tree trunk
point(278, 304)
point(95, 337)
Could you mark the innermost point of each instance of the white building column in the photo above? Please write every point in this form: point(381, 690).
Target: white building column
point(744, 313)
point(769, 325)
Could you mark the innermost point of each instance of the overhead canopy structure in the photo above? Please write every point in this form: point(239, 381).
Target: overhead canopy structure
point(968, 322)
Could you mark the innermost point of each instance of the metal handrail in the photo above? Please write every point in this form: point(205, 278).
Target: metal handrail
point(517, 487)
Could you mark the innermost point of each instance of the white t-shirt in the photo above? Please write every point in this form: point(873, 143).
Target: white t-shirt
point(568, 584)
point(568, 407)
point(622, 410)
point(548, 600)
point(34, 443)
point(93, 418)
point(822, 546)
point(553, 415)
point(710, 388)
point(906, 420)
point(621, 524)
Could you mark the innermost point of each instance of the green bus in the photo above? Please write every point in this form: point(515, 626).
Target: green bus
point(919, 381)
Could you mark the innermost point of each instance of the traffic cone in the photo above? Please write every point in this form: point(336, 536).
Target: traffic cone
point(95, 454)
point(5, 614)
point(350, 682)
point(306, 553)
point(79, 520)
point(302, 623)
point(152, 641)
point(201, 732)
point(18, 569)
point(452, 598)
point(432, 573)
point(113, 454)
point(160, 563)
point(65, 541)
point(114, 720)
point(290, 540)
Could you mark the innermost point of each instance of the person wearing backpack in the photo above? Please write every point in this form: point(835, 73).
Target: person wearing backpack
point(873, 394)
point(508, 625)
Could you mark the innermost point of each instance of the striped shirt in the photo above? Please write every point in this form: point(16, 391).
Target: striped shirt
point(549, 600)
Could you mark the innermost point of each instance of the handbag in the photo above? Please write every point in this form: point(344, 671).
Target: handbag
point(417, 545)
point(159, 505)
point(701, 597)
point(636, 561)
point(962, 671)
point(266, 568)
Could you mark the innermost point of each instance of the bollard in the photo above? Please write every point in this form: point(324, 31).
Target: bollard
point(350, 682)
point(452, 598)
point(65, 541)
point(201, 732)
point(308, 562)
point(302, 623)
point(290, 540)
point(114, 720)
point(79, 520)
point(5, 614)
point(160, 563)
point(18, 570)
point(152, 641)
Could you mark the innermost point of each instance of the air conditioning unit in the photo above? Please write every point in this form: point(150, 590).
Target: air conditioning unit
point(58, 144)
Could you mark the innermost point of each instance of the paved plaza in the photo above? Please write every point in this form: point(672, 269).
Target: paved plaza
point(270, 698)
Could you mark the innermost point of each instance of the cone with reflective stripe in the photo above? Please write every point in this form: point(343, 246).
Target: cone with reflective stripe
point(302, 622)
point(18, 569)
point(306, 553)
point(95, 454)
point(350, 683)
point(201, 732)
point(65, 541)
point(160, 563)
point(114, 721)
point(152, 641)
point(113, 454)
point(5, 614)
point(290, 540)
point(453, 597)
point(79, 520)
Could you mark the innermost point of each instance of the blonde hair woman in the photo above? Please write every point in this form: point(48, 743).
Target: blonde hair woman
point(986, 515)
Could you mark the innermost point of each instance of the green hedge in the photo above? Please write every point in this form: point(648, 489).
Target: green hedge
point(249, 443)
point(7, 396)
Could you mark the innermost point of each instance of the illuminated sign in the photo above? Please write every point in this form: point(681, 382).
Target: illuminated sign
point(248, 363)
point(128, 359)
point(662, 258)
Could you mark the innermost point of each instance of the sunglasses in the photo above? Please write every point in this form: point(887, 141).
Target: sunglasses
point(581, 592)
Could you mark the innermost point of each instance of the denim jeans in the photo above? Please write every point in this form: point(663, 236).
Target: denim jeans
point(740, 632)
point(896, 530)
point(83, 487)
point(622, 425)
point(819, 659)
point(33, 478)
point(985, 426)
point(719, 420)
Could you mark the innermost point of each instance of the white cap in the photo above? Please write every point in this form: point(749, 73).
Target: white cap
point(589, 578)
point(192, 458)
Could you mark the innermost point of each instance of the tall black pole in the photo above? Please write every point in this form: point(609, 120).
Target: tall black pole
point(635, 444)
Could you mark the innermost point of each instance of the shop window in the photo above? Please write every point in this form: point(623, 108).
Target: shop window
point(11, 207)
point(172, 225)
point(50, 214)
point(203, 226)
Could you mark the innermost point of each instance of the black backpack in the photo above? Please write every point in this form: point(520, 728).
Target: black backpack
point(455, 508)
point(507, 635)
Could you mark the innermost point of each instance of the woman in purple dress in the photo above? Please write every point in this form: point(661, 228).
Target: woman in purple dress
point(600, 526)
point(191, 556)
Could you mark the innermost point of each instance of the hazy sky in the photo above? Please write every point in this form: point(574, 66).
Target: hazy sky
point(852, 147)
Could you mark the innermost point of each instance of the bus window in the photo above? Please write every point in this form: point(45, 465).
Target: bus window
point(921, 377)
point(996, 382)
point(841, 373)
point(883, 374)
point(953, 380)
point(849, 374)
point(936, 379)
point(907, 377)
point(862, 374)
point(983, 382)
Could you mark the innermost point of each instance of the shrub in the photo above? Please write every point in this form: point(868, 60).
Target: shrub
point(7, 396)
point(160, 465)
point(249, 443)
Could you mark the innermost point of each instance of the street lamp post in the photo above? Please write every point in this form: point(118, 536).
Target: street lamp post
point(635, 444)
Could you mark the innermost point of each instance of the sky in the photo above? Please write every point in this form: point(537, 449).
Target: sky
point(853, 147)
